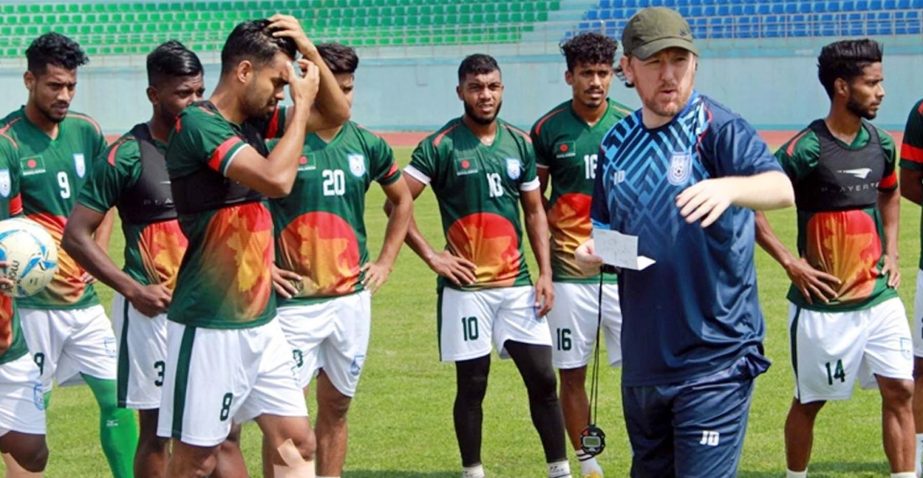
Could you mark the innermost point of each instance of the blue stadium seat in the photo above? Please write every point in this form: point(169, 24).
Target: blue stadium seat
point(875, 5)
point(604, 4)
point(762, 8)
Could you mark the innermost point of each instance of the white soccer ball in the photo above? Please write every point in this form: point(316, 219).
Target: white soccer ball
point(31, 256)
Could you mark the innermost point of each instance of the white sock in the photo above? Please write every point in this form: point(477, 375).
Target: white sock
point(796, 474)
point(476, 471)
point(904, 474)
point(560, 469)
point(588, 464)
point(919, 455)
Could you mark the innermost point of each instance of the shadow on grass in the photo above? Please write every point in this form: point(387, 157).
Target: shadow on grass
point(399, 474)
point(823, 469)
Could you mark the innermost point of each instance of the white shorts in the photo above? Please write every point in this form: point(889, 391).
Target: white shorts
point(832, 349)
point(66, 342)
point(218, 376)
point(142, 355)
point(332, 335)
point(917, 331)
point(573, 323)
point(22, 400)
point(470, 321)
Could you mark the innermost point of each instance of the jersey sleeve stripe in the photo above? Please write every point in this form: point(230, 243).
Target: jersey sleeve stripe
point(114, 151)
point(530, 186)
point(542, 166)
point(790, 150)
point(544, 119)
point(438, 138)
point(227, 164)
point(515, 130)
point(889, 182)
point(910, 152)
point(221, 151)
point(391, 172)
point(86, 118)
point(16, 205)
point(416, 174)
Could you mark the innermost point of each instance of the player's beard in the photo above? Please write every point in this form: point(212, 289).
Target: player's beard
point(855, 108)
point(482, 120)
point(49, 114)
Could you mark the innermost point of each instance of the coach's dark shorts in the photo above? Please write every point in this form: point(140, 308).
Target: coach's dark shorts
point(691, 429)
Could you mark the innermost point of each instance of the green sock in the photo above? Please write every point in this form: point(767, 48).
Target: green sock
point(118, 430)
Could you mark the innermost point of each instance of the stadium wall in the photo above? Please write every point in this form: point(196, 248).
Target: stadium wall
point(773, 93)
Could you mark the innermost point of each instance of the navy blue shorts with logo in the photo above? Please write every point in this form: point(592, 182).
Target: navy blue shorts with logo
point(694, 428)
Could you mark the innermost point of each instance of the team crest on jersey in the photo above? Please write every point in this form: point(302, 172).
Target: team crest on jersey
point(680, 168)
point(356, 164)
point(564, 149)
point(513, 168)
point(80, 164)
point(5, 184)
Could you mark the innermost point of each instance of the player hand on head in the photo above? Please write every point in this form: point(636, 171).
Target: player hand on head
point(285, 282)
point(5, 282)
point(892, 271)
point(303, 85)
point(459, 270)
point(706, 200)
point(375, 275)
point(289, 26)
point(811, 282)
point(544, 295)
point(150, 300)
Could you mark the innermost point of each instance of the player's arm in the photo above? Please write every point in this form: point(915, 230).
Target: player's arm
point(889, 205)
point(812, 283)
point(457, 269)
point(274, 175)
point(543, 176)
point(330, 108)
point(912, 157)
point(376, 273)
point(79, 242)
point(912, 185)
point(537, 229)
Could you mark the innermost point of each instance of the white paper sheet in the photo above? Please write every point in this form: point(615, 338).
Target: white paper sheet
point(620, 250)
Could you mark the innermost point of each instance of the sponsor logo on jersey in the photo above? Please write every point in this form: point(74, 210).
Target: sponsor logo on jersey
point(5, 183)
point(356, 164)
point(465, 166)
point(80, 164)
point(305, 164)
point(564, 149)
point(680, 168)
point(32, 165)
point(513, 168)
point(860, 173)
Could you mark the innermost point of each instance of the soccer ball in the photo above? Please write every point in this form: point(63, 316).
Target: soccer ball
point(31, 256)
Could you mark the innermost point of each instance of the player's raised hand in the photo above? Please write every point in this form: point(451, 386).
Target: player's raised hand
point(459, 270)
point(375, 276)
point(150, 300)
point(812, 283)
point(706, 200)
point(544, 295)
point(284, 282)
point(303, 85)
point(289, 26)
point(892, 271)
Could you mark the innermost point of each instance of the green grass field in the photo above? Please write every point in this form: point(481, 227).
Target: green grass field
point(401, 422)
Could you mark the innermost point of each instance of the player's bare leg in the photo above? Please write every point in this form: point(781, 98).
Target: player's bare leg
point(918, 412)
point(330, 428)
point(152, 455)
point(230, 459)
point(25, 455)
point(190, 461)
point(276, 431)
point(799, 433)
point(576, 408)
point(897, 422)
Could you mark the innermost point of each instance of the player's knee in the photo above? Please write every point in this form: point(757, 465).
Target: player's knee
point(334, 408)
point(472, 387)
point(573, 382)
point(896, 393)
point(541, 381)
point(152, 444)
point(33, 458)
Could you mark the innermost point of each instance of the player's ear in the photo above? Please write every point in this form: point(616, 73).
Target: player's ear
point(569, 77)
point(29, 80)
point(458, 91)
point(840, 87)
point(625, 63)
point(244, 71)
point(152, 95)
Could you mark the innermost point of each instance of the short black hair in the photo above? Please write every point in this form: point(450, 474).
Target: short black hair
point(54, 49)
point(846, 59)
point(171, 59)
point(477, 64)
point(338, 57)
point(252, 40)
point(589, 48)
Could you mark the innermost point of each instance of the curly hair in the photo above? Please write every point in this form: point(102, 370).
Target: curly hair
point(54, 49)
point(589, 48)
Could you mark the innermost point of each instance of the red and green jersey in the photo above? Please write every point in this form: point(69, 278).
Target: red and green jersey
point(224, 280)
point(912, 150)
point(10, 206)
point(478, 188)
point(840, 228)
point(53, 172)
point(153, 248)
point(566, 146)
point(319, 226)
